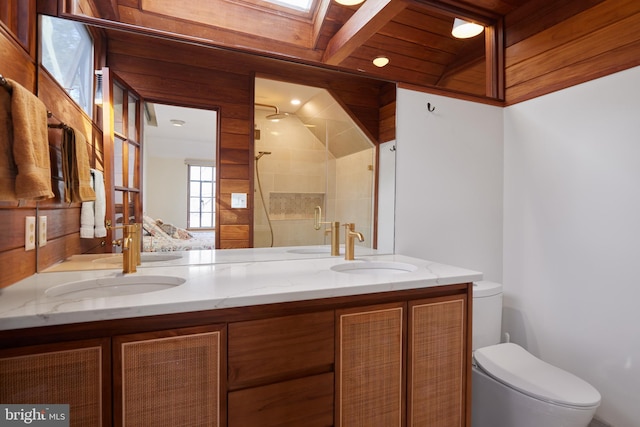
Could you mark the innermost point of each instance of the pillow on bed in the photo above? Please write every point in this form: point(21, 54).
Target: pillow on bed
point(173, 231)
point(150, 227)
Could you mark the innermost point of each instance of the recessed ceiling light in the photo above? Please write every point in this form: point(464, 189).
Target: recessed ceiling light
point(464, 29)
point(380, 61)
point(177, 122)
point(295, 102)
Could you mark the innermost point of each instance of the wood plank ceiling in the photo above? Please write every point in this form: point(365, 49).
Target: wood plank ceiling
point(414, 34)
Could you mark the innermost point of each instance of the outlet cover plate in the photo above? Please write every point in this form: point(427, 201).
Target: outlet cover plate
point(42, 230)
point(30, 233)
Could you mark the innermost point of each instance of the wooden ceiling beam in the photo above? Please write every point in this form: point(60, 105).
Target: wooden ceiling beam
point(321, 14)
point(371, 17)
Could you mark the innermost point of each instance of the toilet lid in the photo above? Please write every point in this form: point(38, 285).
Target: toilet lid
point(515, 367)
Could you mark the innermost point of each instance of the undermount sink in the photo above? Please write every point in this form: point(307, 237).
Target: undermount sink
point(114, 286)
point(144, 257)
point(375, 267)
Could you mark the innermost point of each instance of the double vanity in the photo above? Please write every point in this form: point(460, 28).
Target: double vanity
point(248, 337)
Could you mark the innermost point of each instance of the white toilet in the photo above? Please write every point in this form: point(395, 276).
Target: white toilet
point(511, 387)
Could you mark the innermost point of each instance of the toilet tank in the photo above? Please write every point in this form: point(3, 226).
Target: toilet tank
point(487, 313)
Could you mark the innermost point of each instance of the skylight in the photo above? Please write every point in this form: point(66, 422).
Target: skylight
point(303, 5)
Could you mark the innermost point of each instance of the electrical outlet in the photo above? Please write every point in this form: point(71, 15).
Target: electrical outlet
point(30, 233)
point(42, 230)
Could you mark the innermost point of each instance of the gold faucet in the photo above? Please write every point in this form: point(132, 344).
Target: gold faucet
point(349, 240)
point(130, 243)
point(334, 230)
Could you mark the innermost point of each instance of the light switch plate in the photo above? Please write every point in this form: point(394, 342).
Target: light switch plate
point(42, 230)
point(30, 233)
point(238, 200)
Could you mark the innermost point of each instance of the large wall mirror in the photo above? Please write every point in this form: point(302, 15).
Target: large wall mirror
point(281, 208)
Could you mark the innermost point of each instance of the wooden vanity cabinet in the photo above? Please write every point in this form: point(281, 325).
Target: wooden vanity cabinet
point(170, 378)
point(388, 359)
point(75, 373)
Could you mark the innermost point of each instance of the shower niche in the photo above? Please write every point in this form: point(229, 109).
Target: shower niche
point(310, 154)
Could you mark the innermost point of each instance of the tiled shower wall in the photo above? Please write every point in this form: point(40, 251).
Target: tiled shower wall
point(295, 167)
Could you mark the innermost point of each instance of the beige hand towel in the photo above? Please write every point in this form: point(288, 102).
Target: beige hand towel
point(30, 145)
point(8, 170)
point(75, 167)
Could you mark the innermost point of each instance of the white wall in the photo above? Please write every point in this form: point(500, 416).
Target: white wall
point(166, 190)
point(449, 182)
point(572, 235)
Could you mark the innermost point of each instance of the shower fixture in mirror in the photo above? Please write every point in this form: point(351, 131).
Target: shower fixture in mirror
point(312, 154)
point(414, 37)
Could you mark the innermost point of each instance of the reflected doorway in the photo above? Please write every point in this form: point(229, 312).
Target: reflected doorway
point(179, 179)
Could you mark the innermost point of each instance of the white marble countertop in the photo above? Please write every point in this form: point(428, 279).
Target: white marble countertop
point(214, 286)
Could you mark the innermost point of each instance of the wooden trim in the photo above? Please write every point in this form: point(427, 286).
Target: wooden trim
point(449, 94)
point(494, 60)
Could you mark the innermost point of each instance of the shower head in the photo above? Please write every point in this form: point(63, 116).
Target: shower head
point(262, 153)
point(277, 116)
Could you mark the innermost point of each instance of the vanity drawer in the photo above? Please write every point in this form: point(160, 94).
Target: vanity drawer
point(272, 350)
point(302, 402)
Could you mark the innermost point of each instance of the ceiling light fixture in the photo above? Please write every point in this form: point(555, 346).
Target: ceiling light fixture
point(295, 102)
point(349, 2)
point(177, 122)
point(464, 29)
point(380, 61)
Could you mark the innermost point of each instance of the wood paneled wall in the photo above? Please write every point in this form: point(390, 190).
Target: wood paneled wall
point(176, 73)
point(18, 64)
point(551, 45)
point(63, 220)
